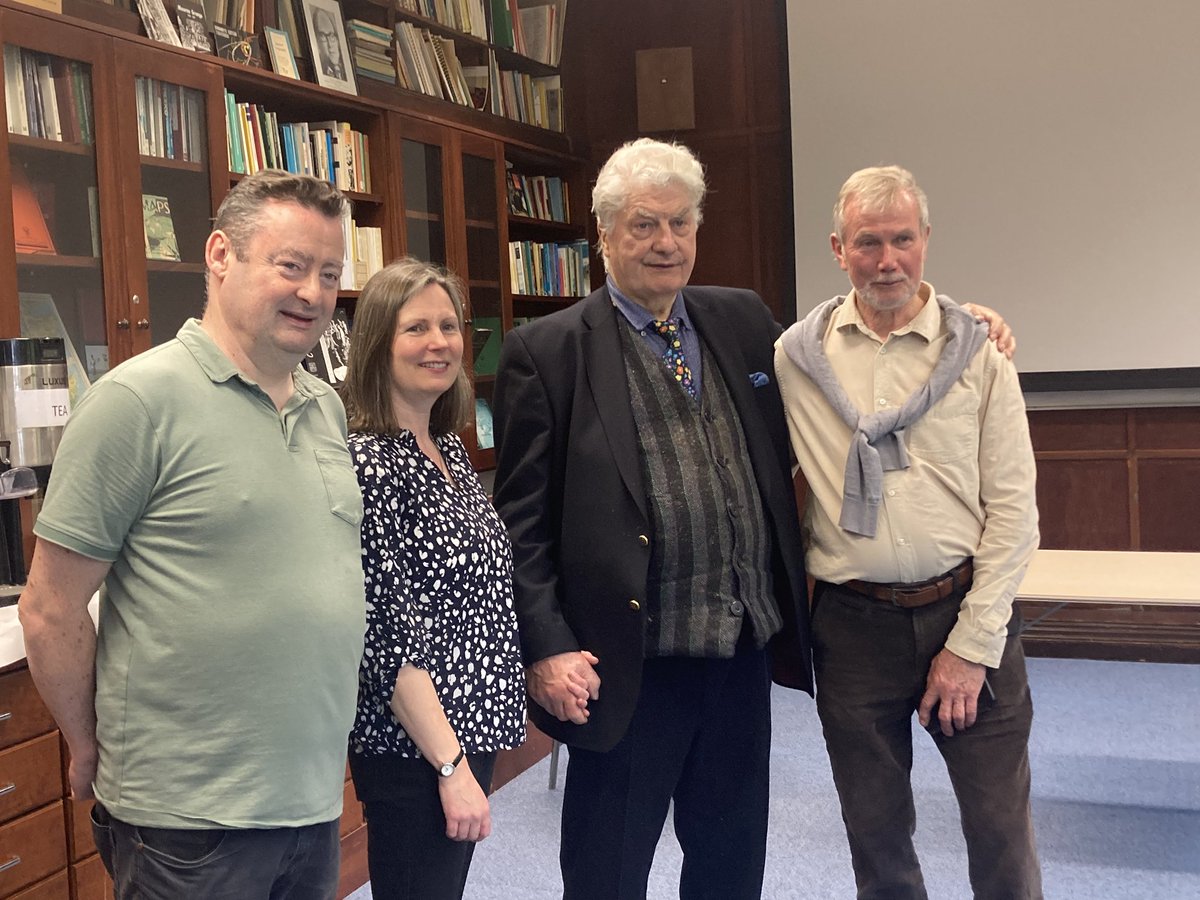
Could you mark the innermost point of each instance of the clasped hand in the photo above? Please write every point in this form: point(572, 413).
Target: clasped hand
point(564, 683)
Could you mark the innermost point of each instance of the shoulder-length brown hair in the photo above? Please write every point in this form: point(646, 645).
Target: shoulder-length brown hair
point(367, 389)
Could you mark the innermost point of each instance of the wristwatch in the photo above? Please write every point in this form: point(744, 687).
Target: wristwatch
point(448, 769)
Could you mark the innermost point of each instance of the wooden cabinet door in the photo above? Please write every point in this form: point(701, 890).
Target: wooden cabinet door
point(170, 113)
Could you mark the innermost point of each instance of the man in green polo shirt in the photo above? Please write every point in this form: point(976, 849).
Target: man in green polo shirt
point(205, 488)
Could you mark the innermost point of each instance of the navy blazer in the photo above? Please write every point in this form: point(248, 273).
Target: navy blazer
point(571, 491)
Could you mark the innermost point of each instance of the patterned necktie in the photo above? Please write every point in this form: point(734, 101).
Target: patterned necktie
point(673, 355)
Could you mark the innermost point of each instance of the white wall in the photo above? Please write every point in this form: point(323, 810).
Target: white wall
point(1059, 144)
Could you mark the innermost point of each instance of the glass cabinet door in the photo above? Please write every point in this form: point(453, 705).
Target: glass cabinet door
point(169, 116)
point(52, 159)
point(481, 165)
point(423, 177)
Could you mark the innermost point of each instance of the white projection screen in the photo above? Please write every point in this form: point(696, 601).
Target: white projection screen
point(1059, 144)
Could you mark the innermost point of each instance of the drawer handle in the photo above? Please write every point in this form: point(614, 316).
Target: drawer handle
point(12, 863)
point(5, 716)
point(8, 788)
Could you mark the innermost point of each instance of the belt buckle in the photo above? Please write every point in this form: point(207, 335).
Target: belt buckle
point(893, 594)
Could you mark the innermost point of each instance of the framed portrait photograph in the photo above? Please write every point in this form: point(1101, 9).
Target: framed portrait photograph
point(327, 38)
point(279, 49)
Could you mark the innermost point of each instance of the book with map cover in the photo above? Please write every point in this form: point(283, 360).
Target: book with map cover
point(161, 242)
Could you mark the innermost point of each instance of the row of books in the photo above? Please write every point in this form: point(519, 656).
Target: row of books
point(47, 96)
point(549, 270)
point(329, 150)
point(170, 120)
point(371, 46)
point(534, 100)
point(532, 28)
point(539, 197)
point(364, 254)
point(426, 62)
point(466, 16)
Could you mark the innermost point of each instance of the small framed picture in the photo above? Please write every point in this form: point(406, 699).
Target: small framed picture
point(279, 48)
point(327, 38)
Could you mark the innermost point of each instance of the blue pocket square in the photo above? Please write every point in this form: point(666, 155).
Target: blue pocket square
point(759, 379)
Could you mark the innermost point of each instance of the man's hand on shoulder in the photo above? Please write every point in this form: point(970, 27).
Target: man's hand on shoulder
point(562, 684)
point(998, 330)
point(953, 685)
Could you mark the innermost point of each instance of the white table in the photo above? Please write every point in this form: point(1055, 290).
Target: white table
point(1122, 577)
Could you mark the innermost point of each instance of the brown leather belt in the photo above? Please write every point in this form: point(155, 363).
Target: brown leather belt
point(911, 596)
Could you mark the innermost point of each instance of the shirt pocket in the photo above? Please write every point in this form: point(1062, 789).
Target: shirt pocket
point(341, 485)
point(949, 430)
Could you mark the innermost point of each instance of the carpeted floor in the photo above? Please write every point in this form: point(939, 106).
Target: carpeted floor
point(1116, 771)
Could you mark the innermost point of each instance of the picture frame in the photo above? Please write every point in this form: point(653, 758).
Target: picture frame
point(332, 65)
point(279, 49)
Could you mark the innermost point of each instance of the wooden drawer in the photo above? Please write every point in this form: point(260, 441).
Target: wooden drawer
point(89, 881)
point(22, 713)
point(80, 842)
point(30, 776)
point(57, 887)
point(33, 847)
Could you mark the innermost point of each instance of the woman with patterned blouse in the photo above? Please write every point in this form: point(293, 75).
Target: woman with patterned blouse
point(441, 678)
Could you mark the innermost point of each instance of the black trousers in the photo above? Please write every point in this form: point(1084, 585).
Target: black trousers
point(700, 736)
point(409, 856)
point(871, 662)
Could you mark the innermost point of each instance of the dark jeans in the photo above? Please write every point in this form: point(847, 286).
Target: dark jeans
point(408, 854)
point(871, 661)
point(218, 863)
point(700, 736)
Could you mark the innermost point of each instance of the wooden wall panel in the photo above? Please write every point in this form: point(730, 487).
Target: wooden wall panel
point(1168, 429)
point(1169, 504)
point(727, 211)
point(1084, 504)
point(1078, 429)
point(742, 132)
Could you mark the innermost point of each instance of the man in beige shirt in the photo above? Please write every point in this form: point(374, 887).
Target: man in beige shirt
point(910, 429)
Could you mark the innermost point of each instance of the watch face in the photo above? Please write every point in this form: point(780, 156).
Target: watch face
point(447, 770)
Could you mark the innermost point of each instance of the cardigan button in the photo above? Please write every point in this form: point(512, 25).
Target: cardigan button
point(643, 540)
point(634, 605)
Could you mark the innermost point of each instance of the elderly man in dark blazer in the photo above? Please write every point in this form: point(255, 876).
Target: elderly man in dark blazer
point(643, 473)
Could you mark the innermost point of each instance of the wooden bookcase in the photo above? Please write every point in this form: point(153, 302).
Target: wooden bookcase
point(439, 192)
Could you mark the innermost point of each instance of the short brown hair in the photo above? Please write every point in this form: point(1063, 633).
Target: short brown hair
point(241, 211)
point(367, 389)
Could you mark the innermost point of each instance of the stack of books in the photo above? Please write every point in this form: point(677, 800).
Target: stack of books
point(370, 46)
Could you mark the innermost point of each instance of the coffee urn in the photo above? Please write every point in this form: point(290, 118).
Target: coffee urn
point(34, 406)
